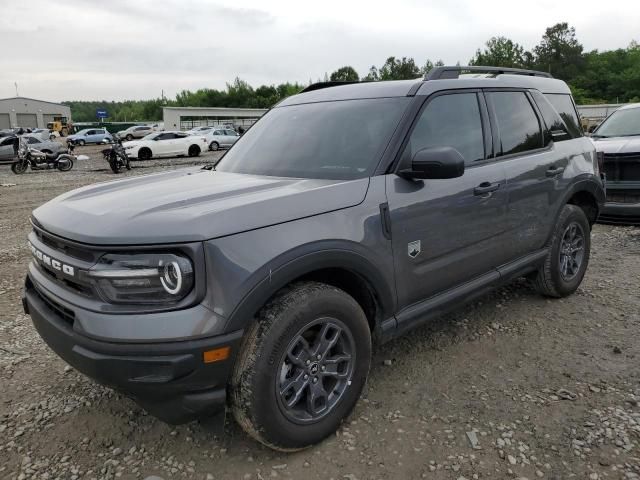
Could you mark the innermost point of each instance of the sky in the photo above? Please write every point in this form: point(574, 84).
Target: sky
point(135, 49)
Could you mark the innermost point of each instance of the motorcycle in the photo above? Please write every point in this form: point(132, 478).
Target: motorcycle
point(37, 160)
point(116, 156)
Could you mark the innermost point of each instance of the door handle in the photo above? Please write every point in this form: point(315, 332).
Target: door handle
point(486, 187)
point(553, 171)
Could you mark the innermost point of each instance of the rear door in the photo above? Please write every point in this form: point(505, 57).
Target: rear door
point(7, 148)
point(534, 168)
point(447, 232)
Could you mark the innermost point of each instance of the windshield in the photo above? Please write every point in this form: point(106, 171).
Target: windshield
point(340, 140)
point(151, 136)
point(621, 123)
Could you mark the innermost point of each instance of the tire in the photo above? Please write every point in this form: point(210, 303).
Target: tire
point(52, 137)
point(194, 151)
point(67, 165)
point(127, 163)
point(81, 143)
point(144, 154)
point(568, 257)
point(19, 167)
point(256, 395)
point(214, 146)
point(129, 137)
point(115, 165)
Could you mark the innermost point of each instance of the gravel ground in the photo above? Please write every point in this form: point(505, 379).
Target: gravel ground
point(512, 386)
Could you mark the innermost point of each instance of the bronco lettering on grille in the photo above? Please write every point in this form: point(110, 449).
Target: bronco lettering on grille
point(50, 261)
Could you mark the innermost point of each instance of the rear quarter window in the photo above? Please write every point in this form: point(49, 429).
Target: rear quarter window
point(563, 103)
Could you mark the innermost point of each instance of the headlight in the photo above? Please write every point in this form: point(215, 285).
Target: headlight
point(129, 147)
point(149, 278)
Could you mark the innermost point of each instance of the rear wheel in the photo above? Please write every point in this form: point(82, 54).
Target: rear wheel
point(114, 164)
point(144, 154)
point(65, 163)
point(568, 257)
point(19, 167)
point(194, 151)
point(302, 366)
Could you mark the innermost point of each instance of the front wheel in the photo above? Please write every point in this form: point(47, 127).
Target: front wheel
point(129, 137)
point(19, 167)
point(144, 154)
point(302, 366)
point(214, 146)
point(194, 151)
point(81, 142)
point(569, 249)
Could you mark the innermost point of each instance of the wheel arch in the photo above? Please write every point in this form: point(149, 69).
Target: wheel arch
point(345, 269)
point(587, 194)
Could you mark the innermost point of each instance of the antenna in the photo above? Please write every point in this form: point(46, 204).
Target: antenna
point(16, 84)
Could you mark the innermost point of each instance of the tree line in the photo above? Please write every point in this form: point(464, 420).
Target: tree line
point(611, 76)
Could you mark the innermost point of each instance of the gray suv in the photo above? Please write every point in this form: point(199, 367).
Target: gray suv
point(260, 283)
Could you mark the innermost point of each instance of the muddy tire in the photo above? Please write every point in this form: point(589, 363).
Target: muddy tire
point(302, 366)
point(568, 257)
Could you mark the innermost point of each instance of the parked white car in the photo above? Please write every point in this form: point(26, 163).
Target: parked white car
point(221, 138)
point(165, 144)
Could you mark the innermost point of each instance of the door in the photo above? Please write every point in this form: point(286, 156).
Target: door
point(5, 121)
point(27, 120)
point(533, 167)
point(164, 144)
point(230, 137)
point(447, 232)
point(8, 148)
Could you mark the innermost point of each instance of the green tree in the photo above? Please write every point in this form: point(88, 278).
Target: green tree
point(399, 69)
point(345, 74)
point(559, 52)
point(372, 76)
point(500, 52)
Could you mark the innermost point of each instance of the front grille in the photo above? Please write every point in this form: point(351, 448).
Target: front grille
point(622, 167)
point(622, 197)
point(61, 311)
point(59, 245)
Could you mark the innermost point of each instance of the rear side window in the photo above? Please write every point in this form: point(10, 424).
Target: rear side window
point(450, 120)
point(556, 127)
point(567, 110)
point(518, 126)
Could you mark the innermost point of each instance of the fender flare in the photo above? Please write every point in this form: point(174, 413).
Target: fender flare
point(586, 183)
point(305, 260)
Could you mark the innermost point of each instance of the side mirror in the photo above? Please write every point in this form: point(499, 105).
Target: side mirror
point(435, 163)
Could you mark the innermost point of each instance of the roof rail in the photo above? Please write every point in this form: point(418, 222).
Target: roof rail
point(439, 73)
point(321, 85)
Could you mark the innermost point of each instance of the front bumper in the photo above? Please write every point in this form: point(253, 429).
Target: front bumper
point(169, 379)
point(622, 206)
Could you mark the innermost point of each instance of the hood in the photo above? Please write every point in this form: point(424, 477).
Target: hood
point(190, 205)
point(618, 145)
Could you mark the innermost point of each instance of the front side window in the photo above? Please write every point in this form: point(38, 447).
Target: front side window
point(518, 126)
point(340, 140)
point(621, 123)
point(33, 140)
point(450, 120)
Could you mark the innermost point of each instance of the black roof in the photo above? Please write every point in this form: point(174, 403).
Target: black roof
point(440, 78)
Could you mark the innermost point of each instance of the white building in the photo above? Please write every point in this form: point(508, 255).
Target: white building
point(186, 118)
point(30, 113)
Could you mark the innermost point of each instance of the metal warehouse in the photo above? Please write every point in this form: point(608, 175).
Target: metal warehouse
point(185, 118)
point(30, 113)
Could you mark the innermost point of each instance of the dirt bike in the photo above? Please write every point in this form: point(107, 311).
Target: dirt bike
point(37, 160)
point(116, 156)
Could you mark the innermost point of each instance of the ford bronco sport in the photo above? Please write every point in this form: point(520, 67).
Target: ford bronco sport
point(347, 213)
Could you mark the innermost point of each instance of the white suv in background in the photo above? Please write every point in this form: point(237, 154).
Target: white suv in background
point(137, 131)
